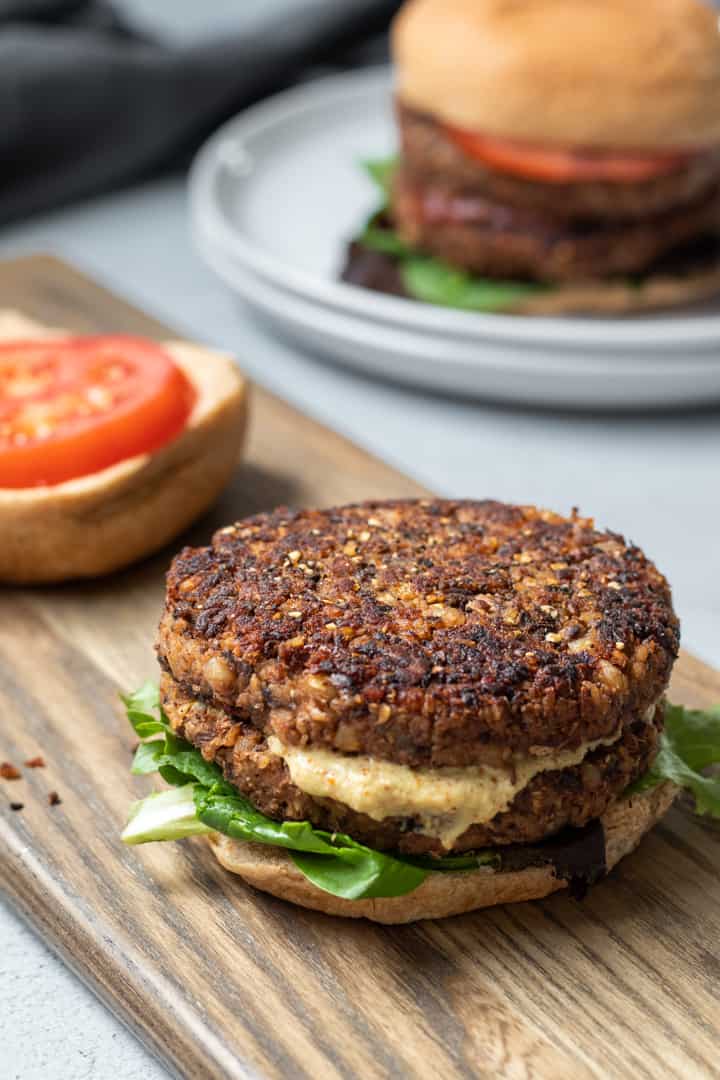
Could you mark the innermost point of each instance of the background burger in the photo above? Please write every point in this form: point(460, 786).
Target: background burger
point(563, 155)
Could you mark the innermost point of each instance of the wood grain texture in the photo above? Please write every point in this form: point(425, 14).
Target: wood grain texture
point(223, 982)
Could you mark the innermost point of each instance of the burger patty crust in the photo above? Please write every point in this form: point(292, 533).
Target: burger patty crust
point(432, 158)
point(424, 632)
point(551, 801)
point(499, 240)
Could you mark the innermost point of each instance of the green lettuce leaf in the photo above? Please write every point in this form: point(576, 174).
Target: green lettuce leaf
point(689, 743)
point(358, 873)
point(201, 801)
point(426, 277)
point(381, 171)
point(164, 815)
point(377, 236)
point(147, 757)
point(141, 708)
point(144, 701)
point(332, 861)
point(434, 281)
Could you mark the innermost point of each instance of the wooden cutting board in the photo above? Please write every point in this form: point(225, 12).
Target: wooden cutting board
point(221, 981)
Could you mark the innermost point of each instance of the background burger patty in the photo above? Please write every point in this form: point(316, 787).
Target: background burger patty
point(426, 632)
point(499, 241)
point(550, 801)
point(431, 157)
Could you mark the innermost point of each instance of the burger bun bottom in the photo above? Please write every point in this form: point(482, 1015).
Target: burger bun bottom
point(272, 870)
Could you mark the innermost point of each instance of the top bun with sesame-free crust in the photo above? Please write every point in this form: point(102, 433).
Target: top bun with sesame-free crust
point(611, 75)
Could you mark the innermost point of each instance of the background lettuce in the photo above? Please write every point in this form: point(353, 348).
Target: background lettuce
point(426, 277)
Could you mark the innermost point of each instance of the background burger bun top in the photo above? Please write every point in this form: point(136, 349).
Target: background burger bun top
point(620, 74)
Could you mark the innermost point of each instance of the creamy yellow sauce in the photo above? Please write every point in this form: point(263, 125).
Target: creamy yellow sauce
point(446, 801)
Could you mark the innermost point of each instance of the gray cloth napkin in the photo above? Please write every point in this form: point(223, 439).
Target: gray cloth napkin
point(89, 103)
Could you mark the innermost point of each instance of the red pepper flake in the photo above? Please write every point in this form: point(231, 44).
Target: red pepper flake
point(17, 806)
point(35, 762)
point(9, 772)
point(54, 799)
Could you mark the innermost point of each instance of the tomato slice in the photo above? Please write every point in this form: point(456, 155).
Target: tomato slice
point(72, 407)
point(557, 165)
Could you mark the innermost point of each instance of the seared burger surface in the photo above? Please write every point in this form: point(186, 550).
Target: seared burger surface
point(425, 675)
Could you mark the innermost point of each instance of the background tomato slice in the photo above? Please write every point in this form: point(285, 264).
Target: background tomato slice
point(557, 165)
point(73, 407)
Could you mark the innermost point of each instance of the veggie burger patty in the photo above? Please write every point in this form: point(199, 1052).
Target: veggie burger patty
point(431, 158)
point(427, 676)
point(551, 800)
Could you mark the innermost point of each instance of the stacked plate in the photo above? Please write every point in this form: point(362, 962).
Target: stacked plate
point(276, 194)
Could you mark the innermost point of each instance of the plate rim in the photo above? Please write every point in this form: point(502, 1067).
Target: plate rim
point(266, 299)
point(643, 333)
point(248, 286)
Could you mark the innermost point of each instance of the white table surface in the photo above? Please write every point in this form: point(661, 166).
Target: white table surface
point(654, 478)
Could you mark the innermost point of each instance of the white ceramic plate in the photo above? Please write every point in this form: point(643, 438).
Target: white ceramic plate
point(276, 193)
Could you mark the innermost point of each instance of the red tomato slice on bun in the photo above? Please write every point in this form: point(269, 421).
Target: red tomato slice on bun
point(72, 407)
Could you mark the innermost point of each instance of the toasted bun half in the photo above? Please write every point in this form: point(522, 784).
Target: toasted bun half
point(271, 869)
point(110, 519)
point(612, 74)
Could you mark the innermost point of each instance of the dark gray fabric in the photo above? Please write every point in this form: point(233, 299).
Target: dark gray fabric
point(88, 104)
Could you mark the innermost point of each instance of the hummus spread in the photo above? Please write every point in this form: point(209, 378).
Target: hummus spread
point(446, 800)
